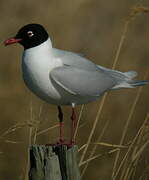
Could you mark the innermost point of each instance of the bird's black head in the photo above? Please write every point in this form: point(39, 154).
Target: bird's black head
point(29, 36)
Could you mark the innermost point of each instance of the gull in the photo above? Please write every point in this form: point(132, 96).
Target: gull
point(62, 77)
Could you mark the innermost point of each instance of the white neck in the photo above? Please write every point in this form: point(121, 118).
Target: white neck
point(39, 52)
point(47, 45)
point(41, 56)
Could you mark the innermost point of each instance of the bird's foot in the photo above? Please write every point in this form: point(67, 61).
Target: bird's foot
point(61, 141)
point(72, 142)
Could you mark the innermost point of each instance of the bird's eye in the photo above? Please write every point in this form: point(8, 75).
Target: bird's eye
point(30, 33)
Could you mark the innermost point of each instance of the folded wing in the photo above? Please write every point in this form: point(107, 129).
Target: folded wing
point(82, 82)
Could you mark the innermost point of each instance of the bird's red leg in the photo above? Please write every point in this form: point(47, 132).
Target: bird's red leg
point(73, 126)
point(61, 125)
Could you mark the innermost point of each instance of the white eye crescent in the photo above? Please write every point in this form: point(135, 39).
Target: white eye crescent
point(30, 33)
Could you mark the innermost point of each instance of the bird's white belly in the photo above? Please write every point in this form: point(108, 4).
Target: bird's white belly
point(41, 85)
point(36, 74)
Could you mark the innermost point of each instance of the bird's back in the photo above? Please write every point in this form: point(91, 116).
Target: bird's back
point(75, 60)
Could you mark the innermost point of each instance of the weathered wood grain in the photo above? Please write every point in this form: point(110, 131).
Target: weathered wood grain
point(53, 163)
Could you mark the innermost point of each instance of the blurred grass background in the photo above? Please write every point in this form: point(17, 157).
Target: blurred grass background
point(89, 27)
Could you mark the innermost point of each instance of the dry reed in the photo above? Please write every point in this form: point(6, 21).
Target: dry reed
point(136, 10)
point(126, 168)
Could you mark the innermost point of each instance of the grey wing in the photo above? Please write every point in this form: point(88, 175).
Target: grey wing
point(82, 82)
point(75, 60)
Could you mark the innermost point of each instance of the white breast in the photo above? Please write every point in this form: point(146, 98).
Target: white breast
point(37, 62)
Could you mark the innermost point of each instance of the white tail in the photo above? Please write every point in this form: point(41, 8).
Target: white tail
point(124, 79)
point(128, 82)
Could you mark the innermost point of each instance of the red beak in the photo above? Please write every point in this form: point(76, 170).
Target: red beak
point(11, 41)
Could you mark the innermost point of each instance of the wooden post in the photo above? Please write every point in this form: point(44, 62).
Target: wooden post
point(53, 163)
